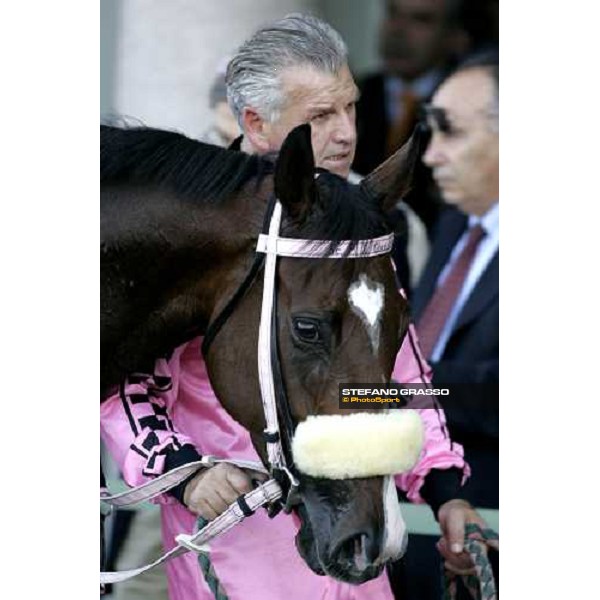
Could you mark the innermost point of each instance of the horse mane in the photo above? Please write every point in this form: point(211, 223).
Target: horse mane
point(138, 155)
point(192, 169)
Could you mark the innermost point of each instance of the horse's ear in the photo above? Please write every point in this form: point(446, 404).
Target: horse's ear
point(295, 172)
point(393, 179)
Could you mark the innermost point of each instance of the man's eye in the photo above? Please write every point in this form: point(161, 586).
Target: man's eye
point(452, 131)
point(319, 117)
point(444, 127)
point(307, 330)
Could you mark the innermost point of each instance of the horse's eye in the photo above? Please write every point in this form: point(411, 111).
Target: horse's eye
point(307, 330)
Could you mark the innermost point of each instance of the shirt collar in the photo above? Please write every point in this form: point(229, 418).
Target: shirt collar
point(422, 87)
point(490, 221)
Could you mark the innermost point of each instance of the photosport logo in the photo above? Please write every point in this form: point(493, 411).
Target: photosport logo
point(369, 395)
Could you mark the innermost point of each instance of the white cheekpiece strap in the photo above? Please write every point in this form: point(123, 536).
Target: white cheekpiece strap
point(265, 373)
point(294, 248)
point(395, 538)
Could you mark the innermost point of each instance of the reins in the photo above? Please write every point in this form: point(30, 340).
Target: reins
point(244, 506)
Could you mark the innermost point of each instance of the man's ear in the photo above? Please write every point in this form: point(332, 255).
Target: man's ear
point(295, 173)
point(254, 130)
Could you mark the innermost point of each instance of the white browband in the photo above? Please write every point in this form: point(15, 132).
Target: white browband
point(294, 248)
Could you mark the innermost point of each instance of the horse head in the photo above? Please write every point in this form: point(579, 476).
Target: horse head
point(335, 321)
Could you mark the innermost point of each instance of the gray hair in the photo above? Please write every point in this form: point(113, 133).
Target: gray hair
point(253, 74)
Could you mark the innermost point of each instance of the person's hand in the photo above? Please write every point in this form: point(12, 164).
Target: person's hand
point(453, 516)
point(212, 490)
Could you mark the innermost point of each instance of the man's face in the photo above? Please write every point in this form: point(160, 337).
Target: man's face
point(414, 36)
point(325, 101)
point(464, 152)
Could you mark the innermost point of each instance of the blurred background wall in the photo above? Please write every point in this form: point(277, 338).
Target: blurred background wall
point(158, 59)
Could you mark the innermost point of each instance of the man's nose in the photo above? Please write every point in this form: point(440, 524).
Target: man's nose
point(344, 129)
point(433, 154)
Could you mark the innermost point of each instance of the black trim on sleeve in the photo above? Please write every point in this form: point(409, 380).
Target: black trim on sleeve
point(175, 458)
point(440, 486)
point(127, 409)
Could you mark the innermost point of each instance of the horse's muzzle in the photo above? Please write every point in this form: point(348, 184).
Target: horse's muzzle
point(341, 534)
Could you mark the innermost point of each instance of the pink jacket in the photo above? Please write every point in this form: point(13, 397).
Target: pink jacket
point(258, 558)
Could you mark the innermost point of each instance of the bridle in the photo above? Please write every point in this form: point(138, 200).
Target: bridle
point(270, 246)
point(281, 491)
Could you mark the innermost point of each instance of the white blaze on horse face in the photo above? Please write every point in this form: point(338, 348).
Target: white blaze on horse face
point(366, 299)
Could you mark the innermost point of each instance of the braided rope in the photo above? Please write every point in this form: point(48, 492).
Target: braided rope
point(208, 570)
point(482, 585)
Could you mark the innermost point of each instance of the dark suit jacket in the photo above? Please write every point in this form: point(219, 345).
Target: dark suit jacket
point(469, 364)
point(373, 124)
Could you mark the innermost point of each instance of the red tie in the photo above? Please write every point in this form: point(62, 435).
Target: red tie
point(438, 309)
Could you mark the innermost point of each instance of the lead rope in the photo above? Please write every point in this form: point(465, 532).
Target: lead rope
point(482, 585)
point(245, 505)
point(208, 569)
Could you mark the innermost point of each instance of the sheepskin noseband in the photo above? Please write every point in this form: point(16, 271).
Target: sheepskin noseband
point(359, 444)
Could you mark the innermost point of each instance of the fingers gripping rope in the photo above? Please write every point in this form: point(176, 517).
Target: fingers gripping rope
point(482, 585)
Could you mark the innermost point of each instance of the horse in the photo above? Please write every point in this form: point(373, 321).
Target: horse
point(179, 226)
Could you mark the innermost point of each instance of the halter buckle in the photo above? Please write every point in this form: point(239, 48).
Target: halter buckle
point(289, 486)
point(293, 497)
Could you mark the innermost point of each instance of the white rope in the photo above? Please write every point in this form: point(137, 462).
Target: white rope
point(264, 494)
point(167, 481)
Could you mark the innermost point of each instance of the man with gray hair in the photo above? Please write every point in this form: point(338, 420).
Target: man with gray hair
point(292, 72)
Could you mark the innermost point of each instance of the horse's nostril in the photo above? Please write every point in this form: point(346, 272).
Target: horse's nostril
point(358, 551)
